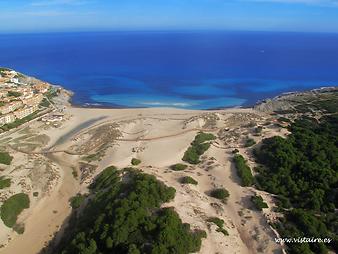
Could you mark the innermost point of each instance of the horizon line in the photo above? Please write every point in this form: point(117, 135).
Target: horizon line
point(161, 31)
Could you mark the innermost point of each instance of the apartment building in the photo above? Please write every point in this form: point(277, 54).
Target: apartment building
point(10, 107)
point(22, 113)
point(34, 100)
point(8, 118)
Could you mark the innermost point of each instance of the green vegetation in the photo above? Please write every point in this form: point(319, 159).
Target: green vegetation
point(12, 207)
point(243, 170)
point(75, 202)
point(178, 167)
point(45, 103)
point(188, 180)
point(35, 194)
point(75, 173)
point(249, 142)
point(259, 202)
point(220, 193)
point(135, 161)
point(5, 158)
point(303, 171)
point(126, 217)
point(52, 92)
point(14, 94)
point(198, 147)
point(19, 228)
point(220, 224)
point(4, 182)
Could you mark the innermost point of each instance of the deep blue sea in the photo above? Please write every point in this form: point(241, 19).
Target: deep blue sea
point(197, 70)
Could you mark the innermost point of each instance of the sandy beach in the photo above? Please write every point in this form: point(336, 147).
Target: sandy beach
point(91, 139)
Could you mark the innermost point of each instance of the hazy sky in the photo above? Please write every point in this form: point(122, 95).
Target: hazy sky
point(80, 15)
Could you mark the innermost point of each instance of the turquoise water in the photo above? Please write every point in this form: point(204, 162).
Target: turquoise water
point(197, 70)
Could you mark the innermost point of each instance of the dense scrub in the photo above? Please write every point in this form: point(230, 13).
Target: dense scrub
point(220, 224)
point(198, 147)
point(188, 180)
point(5, 158)
point(303, 171)
point(243, 170)
point(12, 207)
point(178, 167)
point(4, 182)
point(220, 193)
point(124, 216)
point(259, 202)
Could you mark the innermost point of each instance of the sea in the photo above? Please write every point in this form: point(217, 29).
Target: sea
point(182, 69)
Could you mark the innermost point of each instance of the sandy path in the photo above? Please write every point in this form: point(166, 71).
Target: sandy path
point(46, 218)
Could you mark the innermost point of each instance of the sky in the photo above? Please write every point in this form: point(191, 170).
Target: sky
point(107, 15)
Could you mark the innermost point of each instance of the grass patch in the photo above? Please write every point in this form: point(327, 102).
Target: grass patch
point(5, 158)
point(220, 193)
point(12, 207)
point(188, 180)
point(243, 170)
point(135, 161)
point(259, 202)
point(179, 167)
point(4, 182)
point(198, 147)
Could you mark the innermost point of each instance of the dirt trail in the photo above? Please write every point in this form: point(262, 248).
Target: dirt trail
point(46, 218)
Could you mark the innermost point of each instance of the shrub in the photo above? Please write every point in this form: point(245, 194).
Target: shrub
point(220, 193)
point(179, 167)
point(75, 202)
point(259, 202)
point(12, 207)
point(135, 161)
point(188, 180)
point(35, 194)
point(5, 158)
point(220, 224)
point(198, 147)
point(243, 170)
point(19, 228)
point(249, 142)
point(235, 151)
point(4, 182)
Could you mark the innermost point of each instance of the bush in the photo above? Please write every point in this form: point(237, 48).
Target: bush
point(220, 193)
point(259, 202)
point(243, 170)
point(135, 161)
point(188, 180)
point(5, 158)
point(178, 167)
point(75, 202)
point(220, 224)
point(4, 182)
point(19, 228)
point(35, 194)
point(198, 147)
point(249, 142)
point(235, 151)
point(12, 207)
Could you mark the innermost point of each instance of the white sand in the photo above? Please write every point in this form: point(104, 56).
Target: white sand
point(159, 138)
